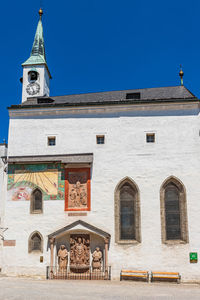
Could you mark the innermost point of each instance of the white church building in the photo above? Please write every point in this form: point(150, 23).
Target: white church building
point(118, 171)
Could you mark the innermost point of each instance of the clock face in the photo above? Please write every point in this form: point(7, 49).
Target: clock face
point(33, 88)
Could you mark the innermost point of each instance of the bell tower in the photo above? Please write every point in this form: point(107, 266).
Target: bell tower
point(36, 75)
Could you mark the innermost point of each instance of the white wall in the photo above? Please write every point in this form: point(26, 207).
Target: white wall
point(125, 153)
point(3, 184)
point(3, 152)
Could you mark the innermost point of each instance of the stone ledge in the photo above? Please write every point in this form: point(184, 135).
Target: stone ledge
point(65, 158)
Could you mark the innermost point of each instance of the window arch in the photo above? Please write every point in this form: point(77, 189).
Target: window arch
point(35, 242)
point(127, 212)
point(173, 211)
point(36, 201)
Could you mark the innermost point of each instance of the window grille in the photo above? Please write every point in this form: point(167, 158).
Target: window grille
point(36, 201)
point(35, 242)
point(173, 209)
point(150, 137)
point(51, 141)
point(100, 139)
point(172, 213)
point(127, 212)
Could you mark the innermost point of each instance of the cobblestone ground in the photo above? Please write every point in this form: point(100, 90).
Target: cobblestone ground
point(27, 289)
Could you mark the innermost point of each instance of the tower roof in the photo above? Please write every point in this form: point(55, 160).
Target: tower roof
point(37, 56)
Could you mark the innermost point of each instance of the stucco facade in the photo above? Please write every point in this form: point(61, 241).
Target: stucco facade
point(3, 190)
point(124, 154)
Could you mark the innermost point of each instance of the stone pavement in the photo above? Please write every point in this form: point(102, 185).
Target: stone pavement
point(29, 289)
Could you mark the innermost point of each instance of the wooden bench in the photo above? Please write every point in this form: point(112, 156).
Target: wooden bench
point(165, 276)
point(134, 274)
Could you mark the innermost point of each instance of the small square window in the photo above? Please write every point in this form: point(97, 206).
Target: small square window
point(51, 141)
point(150, 137)
point(100, 139)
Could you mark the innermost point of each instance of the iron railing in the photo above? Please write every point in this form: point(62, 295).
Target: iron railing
point(78, 273)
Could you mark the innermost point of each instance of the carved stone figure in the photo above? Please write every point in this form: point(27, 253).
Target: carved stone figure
point(62, 257)
point(79, 251)
point(77, 190)
point(83, 197)
point(97, 259)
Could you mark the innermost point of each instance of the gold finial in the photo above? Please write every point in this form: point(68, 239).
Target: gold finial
point(181, 74)
point(40, 13)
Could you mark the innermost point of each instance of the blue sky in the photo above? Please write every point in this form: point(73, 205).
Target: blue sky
point(94, 45)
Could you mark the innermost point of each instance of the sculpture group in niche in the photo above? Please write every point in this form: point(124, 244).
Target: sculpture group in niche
point(62, 258)
point(77, 190)
point(80, 251)
point(97, 259)
point(78, 195)
point(79, 254)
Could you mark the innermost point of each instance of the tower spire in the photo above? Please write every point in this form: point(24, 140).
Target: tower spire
point(38, 55)
point(36, 75)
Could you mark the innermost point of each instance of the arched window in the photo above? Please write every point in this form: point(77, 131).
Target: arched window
point(127, 212)
point(36, 201)
point(173, 211)
point(35, 242)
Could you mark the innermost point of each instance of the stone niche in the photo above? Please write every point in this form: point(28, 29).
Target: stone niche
point(80, 247)
point(79, 252)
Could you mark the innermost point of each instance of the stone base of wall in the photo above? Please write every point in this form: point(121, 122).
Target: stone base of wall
point(37, 273)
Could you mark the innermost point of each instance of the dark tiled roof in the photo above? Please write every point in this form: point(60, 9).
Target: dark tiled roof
point(175, 93)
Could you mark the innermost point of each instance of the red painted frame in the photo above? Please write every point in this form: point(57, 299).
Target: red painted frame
point(67, 188)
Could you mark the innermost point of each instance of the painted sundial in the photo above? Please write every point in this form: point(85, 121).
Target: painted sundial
point(46, 180)
point(23, 181)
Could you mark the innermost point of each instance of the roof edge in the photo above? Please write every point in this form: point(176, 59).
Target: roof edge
point(52, 105)
point(84, 224)
point(127, 90)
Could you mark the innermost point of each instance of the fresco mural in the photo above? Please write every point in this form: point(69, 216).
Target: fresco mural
point(23, 179)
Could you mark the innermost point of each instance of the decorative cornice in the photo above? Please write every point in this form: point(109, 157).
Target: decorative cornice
point(78, 158)
point(145, 108)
